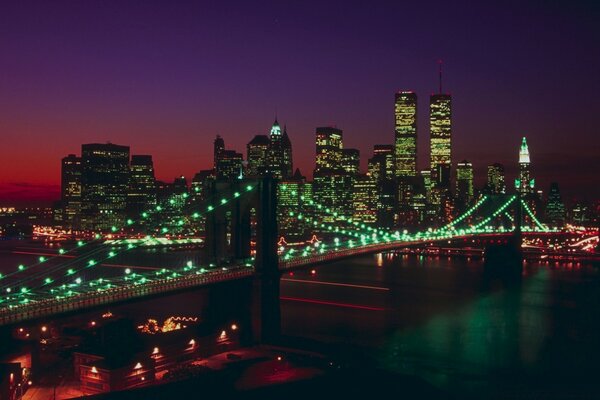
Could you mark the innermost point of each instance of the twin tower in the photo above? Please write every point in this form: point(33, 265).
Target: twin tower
point(405, 149)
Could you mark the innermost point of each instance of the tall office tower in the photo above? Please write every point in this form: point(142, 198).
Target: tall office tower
point(257, 155)
point(406, 134)
point(173, 198)
point(333, 190)
point(279, 153)
point(364, 199)
point(440, 125)
point(496, 183)
point(329, 149)
point(230, 165)
point(351, 161)
point(199, 183)
point(104, 185)
point(287, 166)
point(332, 185)
point(275, 158)
point(218, 149)
point(142, 185)
point(381, 169)
point(555, 208)
point(70, 184)
point(293, 196)
point(524, 184)
point(381, 165)
point(464, 183)
point(427, 183)
point(580, 213)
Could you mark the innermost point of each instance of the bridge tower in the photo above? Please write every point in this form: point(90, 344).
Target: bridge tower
point(266, 313)
point(505, 261)
point(234, 219)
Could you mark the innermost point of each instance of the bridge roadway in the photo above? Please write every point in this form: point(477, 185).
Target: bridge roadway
point(81, 301)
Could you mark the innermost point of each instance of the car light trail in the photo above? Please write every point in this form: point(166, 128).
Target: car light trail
point(336, 284)
point(331, 303)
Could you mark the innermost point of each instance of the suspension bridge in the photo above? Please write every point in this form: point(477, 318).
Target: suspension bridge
point(60, 283)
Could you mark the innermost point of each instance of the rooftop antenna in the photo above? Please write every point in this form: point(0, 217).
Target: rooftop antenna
point(440, 67)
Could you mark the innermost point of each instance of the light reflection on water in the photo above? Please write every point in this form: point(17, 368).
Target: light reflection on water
point(443, 326)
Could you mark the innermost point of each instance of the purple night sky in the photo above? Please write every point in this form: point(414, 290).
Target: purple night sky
point(166, 77)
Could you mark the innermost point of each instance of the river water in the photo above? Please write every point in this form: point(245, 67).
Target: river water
point(433, 318)
point(438, 319)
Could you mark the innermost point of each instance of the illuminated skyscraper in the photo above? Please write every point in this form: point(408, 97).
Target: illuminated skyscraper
point(279, 153)
point(440, 125)
point(381, 165)
point(230, 165)
point(332, 185)
point(427, 183)
point(329, 149)
point(555, 208)
point(496, 183)
point(71, 190)
point(351, 161)
point(293, 196)
point(275, 158)
point(104, 185)
point(200, 181)
point(257, 155)
point(218, 149)
point(440, 121)
point(381, 169)
point(173, 198)
point(364, 199)
point(333, 190)
point(464, 183)
point(287, 165)
point(142, 185)
point(406, 134)
point(524, 184)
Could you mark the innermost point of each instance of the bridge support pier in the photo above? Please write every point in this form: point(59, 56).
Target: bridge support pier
point(505, 261)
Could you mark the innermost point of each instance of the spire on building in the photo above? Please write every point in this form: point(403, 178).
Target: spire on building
point(524, 152)
point(275, 129)
point(285, 139)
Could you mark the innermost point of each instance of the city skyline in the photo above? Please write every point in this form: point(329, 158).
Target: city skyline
point(170, 100)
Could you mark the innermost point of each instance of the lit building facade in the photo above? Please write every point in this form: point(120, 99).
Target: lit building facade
point(364, 199)
point(279, 157)
point(405, 127)
point(328, 149)
point(440, 122)
point(525, 184)
point(496, 180)
point(288, 164)
point(333, 191)
point(257, 155)
point(218, 149)
point(464, 183)
point(381, 169)
point(104, 185)
point(381, 165)
point(142, 185)
point(293, 197)
point(230, 165)
point(351, 161)
point(332, 185)
point(70, 184)
point(555, 208)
